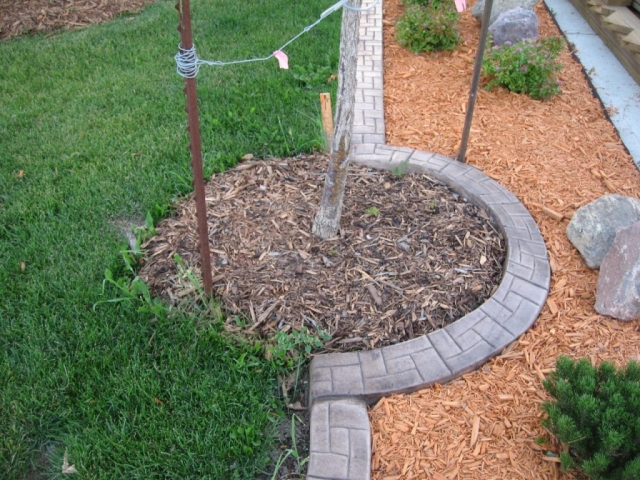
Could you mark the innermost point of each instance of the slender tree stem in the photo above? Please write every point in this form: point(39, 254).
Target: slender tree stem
point(327, 221)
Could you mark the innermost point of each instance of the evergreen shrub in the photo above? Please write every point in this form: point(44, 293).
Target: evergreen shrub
point(596, 415)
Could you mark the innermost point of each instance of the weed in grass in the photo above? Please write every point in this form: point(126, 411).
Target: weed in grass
point(135, 290)
point(291, 452)
point(313, 75)
point(289, 350)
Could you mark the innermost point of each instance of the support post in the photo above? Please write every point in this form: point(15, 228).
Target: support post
point(475, 80)
point(327, 118)
point(195, 144)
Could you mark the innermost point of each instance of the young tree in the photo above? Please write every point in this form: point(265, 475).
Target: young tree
point(327, 221)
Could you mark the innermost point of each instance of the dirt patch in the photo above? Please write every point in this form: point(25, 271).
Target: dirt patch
point(290, 458)
point(42, 16)
point(559, 154)
point(411, 256)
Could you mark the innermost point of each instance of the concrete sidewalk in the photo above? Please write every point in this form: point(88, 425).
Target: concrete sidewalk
point(614, 85)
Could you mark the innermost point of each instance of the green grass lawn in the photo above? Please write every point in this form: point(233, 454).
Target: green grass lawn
point(92, 135)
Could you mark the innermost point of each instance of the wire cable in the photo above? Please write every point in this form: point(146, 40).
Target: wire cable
point(188, 64)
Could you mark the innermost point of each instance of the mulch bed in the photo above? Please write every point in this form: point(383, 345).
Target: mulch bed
point(555, 156)
point(410, 258)
point(45, 16)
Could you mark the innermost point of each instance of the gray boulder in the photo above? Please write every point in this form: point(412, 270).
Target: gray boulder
point(501, 6)
point(515, 25)
point(593, 227)
point(618, 290)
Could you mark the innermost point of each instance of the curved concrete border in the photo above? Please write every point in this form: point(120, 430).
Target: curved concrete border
point(341, 383)
point(467, 343)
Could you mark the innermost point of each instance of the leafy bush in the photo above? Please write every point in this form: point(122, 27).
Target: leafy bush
point(596, 413)
point(526, 67)
point(429, 27)
point(312, 75)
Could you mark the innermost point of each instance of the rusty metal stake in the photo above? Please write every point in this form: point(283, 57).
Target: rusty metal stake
point(475, 80)
point(186, 42)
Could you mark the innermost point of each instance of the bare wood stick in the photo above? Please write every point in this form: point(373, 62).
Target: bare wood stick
point(327, 118)
point(264, 315)
point(374, 294)
point(552, 213)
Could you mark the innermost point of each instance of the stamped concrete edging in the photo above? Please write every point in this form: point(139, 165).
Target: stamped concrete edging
point(341, 384)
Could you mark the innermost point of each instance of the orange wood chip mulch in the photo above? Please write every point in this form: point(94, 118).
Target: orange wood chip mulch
point(555, 156)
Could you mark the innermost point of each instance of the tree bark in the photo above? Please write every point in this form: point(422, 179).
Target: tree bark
point(327, 221)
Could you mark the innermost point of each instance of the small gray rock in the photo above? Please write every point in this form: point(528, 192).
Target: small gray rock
point(404, 246)
point(501, 6)
point(593, 227)
point(515, 25)
point(618, 290)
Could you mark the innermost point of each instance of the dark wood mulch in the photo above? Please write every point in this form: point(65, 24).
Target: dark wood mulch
point(43, 16)
point(411, 256)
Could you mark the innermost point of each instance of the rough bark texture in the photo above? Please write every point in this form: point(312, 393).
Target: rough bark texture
point(327, 220)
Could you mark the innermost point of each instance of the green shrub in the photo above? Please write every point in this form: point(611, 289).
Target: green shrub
point(596, 413)
point(526, 67)
point(428, 28)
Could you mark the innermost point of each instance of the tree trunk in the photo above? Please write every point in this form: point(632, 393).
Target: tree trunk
point(327, 221)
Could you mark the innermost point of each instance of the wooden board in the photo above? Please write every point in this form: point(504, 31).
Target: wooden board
point(618, 3)
point(622, 21)
point(632, 41)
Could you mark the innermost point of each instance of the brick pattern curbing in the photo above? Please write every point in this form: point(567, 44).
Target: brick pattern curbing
point(467, 343)
point(368, 120)
point(341, 440)
point(341, 383)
